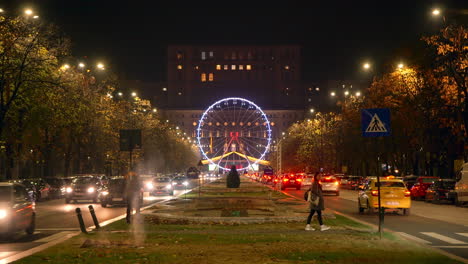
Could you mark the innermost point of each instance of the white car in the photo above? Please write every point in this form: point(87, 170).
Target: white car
point(330, 184)
point(162, 185)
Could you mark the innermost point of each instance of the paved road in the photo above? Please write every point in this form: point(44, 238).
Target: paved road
point(55, 219)
point(441, 226)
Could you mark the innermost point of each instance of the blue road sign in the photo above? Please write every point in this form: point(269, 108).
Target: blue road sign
point(375, 122)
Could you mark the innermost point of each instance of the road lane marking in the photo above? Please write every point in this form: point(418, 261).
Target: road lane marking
point(444, 238)
point(6, 253)
point(53, 237)
point(417, 239)
point(462, 234)
point(451, 246)
point(57, 229)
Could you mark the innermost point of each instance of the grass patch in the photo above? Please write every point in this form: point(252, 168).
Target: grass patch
point(346, 242)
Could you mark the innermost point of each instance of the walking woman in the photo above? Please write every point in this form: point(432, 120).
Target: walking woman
point(316, 203)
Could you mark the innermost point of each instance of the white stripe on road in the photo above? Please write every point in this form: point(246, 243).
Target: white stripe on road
point(52, 237)
point(410, 237)
point(57, 229)
point(462, 234)
point(451, 246)
point(444, 238)
point(6, 253)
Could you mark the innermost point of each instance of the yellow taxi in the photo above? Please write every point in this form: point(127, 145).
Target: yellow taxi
point(394, 195)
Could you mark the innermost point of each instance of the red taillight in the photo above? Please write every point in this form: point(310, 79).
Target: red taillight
point(298, 179)
point(292, 174)
point(407, 193)
point(327, 178)
point(276, 180)
point(375, 193)
point(285, 180)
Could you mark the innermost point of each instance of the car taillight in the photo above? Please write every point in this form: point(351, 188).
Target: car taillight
point(276, 180)
point(336, 183)
point(375, 193)
point(407, 193)
point(285, 180)
point(298, 179)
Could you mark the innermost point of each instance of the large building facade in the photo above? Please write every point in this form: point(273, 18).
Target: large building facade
point(266, 75)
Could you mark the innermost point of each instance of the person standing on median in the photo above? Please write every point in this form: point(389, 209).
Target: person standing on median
point(314, 197)
point(132, 194)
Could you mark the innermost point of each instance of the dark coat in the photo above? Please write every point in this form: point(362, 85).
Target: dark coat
point(316, 189)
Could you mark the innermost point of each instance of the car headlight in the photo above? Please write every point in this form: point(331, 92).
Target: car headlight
point(69, 190)
point(149, 185)
point(174, 183)
point(3, 214)
point(91, 190)
point(105, 193)
point(169, 186)
point(185, 183)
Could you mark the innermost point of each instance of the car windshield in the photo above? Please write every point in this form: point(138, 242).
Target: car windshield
point(428, 180)
point(84, 181)
point(180, 178)
point(5, 193)
point(391, 184)
point(162, 180)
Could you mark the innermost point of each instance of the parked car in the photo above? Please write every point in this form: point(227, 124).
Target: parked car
point(57, 187)
point(460, 194)
point(354, 182)
point(418, 191)
point(410, 180)
point(394, 195)
point(330, 184)
point(83, 188)
point(439, 191)
point(162, 185)
point(40, 188)
point(17, 209)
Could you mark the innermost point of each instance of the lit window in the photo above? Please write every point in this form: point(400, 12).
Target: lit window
point(286, 67)
point(210, 77)
point(241, 67)
point(196, 67)
point(203, 77)
point(164, 89)
point(179, 67)
point(226, 67)
point(248, 67)
point(211, 54)
point(179, 93)
point(218, 67)
point(233, 67)
point(203, 55)
point(179, 55)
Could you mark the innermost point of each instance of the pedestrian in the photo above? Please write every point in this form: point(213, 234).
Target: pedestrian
point(233, 179)
point(314, 197)
point(132, 194)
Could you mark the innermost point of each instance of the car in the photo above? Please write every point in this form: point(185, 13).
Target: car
point(330, 184)
point(290, 180)
point(410, 180)
point(418, 191)
point(394, 195)
point(180, 182)
point(460, 194)
point(162, 185)
point(57, 187)
point(440, 190)
point(114, 192)
point(307, 179)
point(83, 188)
point(17, 209)
point(354, 182)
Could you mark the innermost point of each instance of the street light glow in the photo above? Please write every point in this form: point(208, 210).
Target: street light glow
point(400, 66)
point(155, 110)
point(100, 66)
point(134, 94)
point(358, 94)
point(366, 66)
point(65, 66)
point(28, 12)
point(35, 17)
point(120, 93)
point(346, 93)
point(1, 10)
point(81, 65)
point(436, 11)
point(332, 94)
point(312, 110)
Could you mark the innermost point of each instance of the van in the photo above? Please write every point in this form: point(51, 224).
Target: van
point(461, 187)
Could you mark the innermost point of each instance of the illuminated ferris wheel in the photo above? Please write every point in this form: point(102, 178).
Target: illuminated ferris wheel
point(234, 131)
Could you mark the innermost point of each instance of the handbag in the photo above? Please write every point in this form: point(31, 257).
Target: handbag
point(313, 200)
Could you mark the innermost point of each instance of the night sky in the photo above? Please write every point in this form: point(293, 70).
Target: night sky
point(131, 36)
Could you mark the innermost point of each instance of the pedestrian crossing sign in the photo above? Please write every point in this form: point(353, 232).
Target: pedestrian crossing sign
point(375, 122)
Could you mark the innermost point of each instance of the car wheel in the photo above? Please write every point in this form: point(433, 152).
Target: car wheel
point(67, 201)
point(32, 225)
point(104, 205)
point(361, 210)
point(406, 211)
